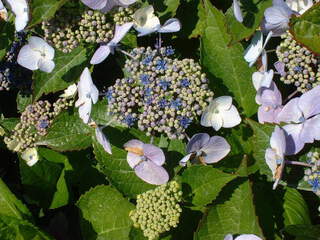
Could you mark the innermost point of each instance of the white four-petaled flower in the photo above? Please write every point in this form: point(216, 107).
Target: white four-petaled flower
point(88, 94)
point(106, 5)
point(299, 6)
point(242, 237)
point(221, 113)
point(37, 54)
point(31, 156)
point(21, 11)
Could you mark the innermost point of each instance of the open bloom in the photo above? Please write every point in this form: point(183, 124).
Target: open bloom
point(221, 113)
point(237, 11)
point(3, 12)
point(270, 101)
point(262, 79)
point(256, 48)
point(146, 160)
point(21, 11)
point(106, 5)
point(276, 18)
point(206, 149)
point(275, 155)
point(242, 237)
point(101, 138)
point(303, 114)
point(37, 54)
point(31, 156)
point(299, 6)
point(88, 94)
point(146, 22)
point(105, 49)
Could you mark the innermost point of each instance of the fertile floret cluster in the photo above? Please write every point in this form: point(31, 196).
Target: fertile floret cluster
point(161, 94)
point(158, 210)
point(312, 175)
point(124, 15)
point(34, 123)
point(11, 73)
point(302, 67)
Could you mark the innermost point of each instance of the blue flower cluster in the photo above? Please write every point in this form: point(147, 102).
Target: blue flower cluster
point(312, 175)
point(162, 95)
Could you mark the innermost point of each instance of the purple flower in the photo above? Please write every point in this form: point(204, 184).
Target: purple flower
point(185, 82)
point(43, 123)
point(163, 103)
point(106, 5)
point(184, 121)
point(147, 60)
point(161, 64)
point(176, 104)
point(109, 95)
point(169, 51)
point(280, 67)
point(303, 115)
point(164, 84)
point(101, 138)
point(275, 155)
point(206, 149)
point(146, 160)
point(144, 79)
point(270, 101)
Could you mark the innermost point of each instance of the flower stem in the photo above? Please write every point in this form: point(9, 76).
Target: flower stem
point(298, 163)
point(126, 53)
point(290, 96)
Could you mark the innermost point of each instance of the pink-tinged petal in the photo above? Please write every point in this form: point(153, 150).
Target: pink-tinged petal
point(197, 142)
point(216, 149)
point(28, 58)
point(280, 67)
point(85, 111)
point(309, 102)
point(151, 173)
point(134, 143)
point(101, 138)
point(230, 118)
point(291, 112)
point(271, 160)
point(228, 237)
point(100, 54)
point(121, 31)
point(171, 25)
point(46, 65)
point(311, 130)
point(185, 159)
point(237, 11)
point(293, 141)
point(248, 237)
point(95, 4)
point(154, 154)
point(133, 159)
point(278, 141)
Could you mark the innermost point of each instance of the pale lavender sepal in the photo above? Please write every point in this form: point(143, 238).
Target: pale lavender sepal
point(134, 143)
point(171, 25)
point(268, 114)
point(197, 142)
point(151, 173)
point(309, 102)
point(291, 112)
point(100, 54)
point(237, 11)
point(101, 138)
point(185, 159)
point(154, 154)
point(278, 141)
point(95, 4)
point(216, 149)
point(310, 130)
point(294, 143)
point(133, 159)
point(228, 237)
point(247, 237)
point(280, 67)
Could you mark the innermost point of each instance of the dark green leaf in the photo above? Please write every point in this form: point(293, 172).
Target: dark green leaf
point(305, 29)
point(306, 232)
point(67, 133)
point(67, 70)
point(6, 37)
point(43, 10)
point(107, 212)
point(233, 212)
point(204, 183)
point(230, 73)
point(23, 101)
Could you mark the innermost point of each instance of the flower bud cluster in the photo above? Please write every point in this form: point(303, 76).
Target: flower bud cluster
point(124, 15)
point(161, 95)
point(312, 175)
point(158, 210)
point(34, 123)
point(301, 65)
point(11, 73)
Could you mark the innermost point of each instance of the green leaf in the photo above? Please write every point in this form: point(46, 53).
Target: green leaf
point(107, 212)
point(8, 123)
point(117, 170)
point(295, 208)
point(253, 12)
point(10, 205)
point(230, 73)
point(201, 24)
point(233, 212)
point(261, 141)
point(67, 70)
point(43, 10)
point(166, 8)
point(40, 181)
point(305, 29)
point(67, 133)
point(6, 37)
point(306, 232)
point(205, 182)
point(13, 228)
point(23, 101)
